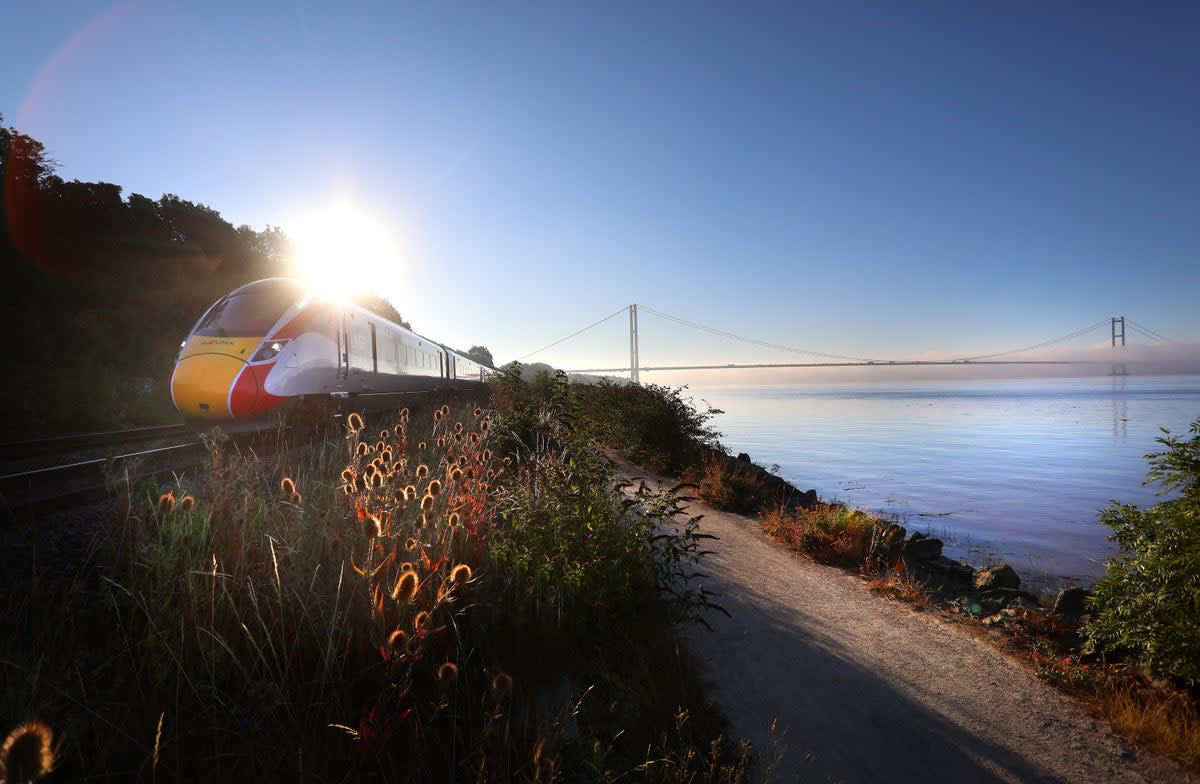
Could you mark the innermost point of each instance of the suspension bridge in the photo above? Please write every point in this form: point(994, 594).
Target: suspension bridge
point(820, 359)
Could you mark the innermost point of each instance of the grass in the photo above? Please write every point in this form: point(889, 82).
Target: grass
point(830, 533)
point(394, 600)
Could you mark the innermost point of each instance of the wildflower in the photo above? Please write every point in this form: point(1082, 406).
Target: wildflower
point(456, 474)
point(377, 480)
point(406, 587)
point(460, 574)
point(447, 672)
point(434, 488)
point(380, 446)
point(386, 456)
point(426, 502)
point(501, 683)
point(397, 639)
point(354, 422)
point(398, 430)
point(422, 471)
point(383, 434)
point(27, 753)
point(287, 485)
point(361, 449)
point(166, 503)
point(410, 493)
point(186, 503)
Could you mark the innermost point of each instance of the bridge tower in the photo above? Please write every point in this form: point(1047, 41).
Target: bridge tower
point(633, 346)
point(1118, 332)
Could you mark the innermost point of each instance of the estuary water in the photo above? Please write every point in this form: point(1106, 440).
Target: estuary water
point(1012, 470)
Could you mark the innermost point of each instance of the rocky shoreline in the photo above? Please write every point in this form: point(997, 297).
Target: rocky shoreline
point(992, 593)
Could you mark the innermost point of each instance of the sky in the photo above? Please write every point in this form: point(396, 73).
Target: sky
point(884, 180)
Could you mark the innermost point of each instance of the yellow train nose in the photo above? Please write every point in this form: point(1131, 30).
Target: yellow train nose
point(201, 384)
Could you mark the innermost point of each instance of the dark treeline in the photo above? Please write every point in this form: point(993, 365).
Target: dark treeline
point(100, 288)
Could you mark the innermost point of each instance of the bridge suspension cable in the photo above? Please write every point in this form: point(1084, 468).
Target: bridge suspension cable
point(1147, 331)
point(753, 341)
point(573, 334)
point(1044, 344)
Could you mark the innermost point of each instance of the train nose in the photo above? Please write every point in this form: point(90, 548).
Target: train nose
point(201, 385)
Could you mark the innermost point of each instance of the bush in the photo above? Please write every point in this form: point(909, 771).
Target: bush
point(1149, 599)
point(653, 426)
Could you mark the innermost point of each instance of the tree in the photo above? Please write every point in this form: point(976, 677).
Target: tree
point(481, 355)
point(1149, 599)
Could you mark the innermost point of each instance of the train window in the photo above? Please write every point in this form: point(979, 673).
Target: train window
point(250, 311)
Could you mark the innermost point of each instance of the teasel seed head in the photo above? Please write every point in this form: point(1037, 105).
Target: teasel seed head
point(354, 422)
point(422, 471)
point(411, 543)
point(460, 574)
point(296, 499)
point(448, 672)
point(347, 475)
point(434, 488)
point(361, 449)
point(28, 753)
point(287, 485)
point(410, 493)
point(186, 503)
point(422, 445)
point(406, 587)
point(478, 412)
point(501, 683)
point(397, 640)
point(372, 526)
point(437, 415)
point(453, 519)
point(455, 474)
point(426, 502)
point(419, 620)
point(166, 502)
point(407, 566)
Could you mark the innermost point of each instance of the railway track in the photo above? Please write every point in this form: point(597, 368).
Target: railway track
point(42, 475)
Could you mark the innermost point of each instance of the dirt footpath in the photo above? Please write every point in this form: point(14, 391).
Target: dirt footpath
point(877, 692)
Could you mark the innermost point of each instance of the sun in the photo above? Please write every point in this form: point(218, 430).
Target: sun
point(342, 251)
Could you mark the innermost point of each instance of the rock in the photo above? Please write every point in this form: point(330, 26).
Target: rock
point(1071, 601)
point(743, 457)
point(806, 500)
point(951, 570)
point(999, 575)
point(1010, 596)
point(920, 549)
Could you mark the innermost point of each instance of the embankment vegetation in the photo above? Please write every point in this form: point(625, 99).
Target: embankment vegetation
point(458, 594)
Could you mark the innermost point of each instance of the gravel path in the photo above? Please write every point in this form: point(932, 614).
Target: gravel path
point(875, 691)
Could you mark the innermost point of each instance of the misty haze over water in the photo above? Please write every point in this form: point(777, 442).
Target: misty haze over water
point(1001, 469)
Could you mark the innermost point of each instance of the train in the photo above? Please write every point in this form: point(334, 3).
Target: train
point(272, 350)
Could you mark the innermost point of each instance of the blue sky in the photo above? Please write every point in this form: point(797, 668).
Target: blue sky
point(873, 179)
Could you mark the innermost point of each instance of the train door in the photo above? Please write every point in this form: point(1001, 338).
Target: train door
point(343, 347)
point(374, 350)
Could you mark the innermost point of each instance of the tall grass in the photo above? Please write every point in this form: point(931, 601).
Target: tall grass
point(394, 600)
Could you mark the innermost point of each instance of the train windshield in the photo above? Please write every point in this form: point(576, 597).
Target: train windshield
point(250, 311)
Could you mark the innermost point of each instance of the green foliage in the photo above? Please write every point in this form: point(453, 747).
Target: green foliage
point(1148, 602)
point(651, 425)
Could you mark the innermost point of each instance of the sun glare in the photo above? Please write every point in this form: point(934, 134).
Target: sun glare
point(342, 251)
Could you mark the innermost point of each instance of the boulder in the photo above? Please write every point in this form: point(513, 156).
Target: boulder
point(1071, 601)
point(806, 500)
point(921, 549)
point(1010, 596)
point(743, 457)
point(956, 571)
point(999, 575)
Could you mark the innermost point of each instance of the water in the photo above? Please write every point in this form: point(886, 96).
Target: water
point(1012, 470)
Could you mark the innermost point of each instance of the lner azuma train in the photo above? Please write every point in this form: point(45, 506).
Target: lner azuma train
point(271, 349)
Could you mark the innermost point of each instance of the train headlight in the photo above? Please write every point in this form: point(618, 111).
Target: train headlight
point(269, 350)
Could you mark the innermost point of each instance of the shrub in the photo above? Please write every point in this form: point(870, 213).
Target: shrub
point(654, 426)
point(1148, 601)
